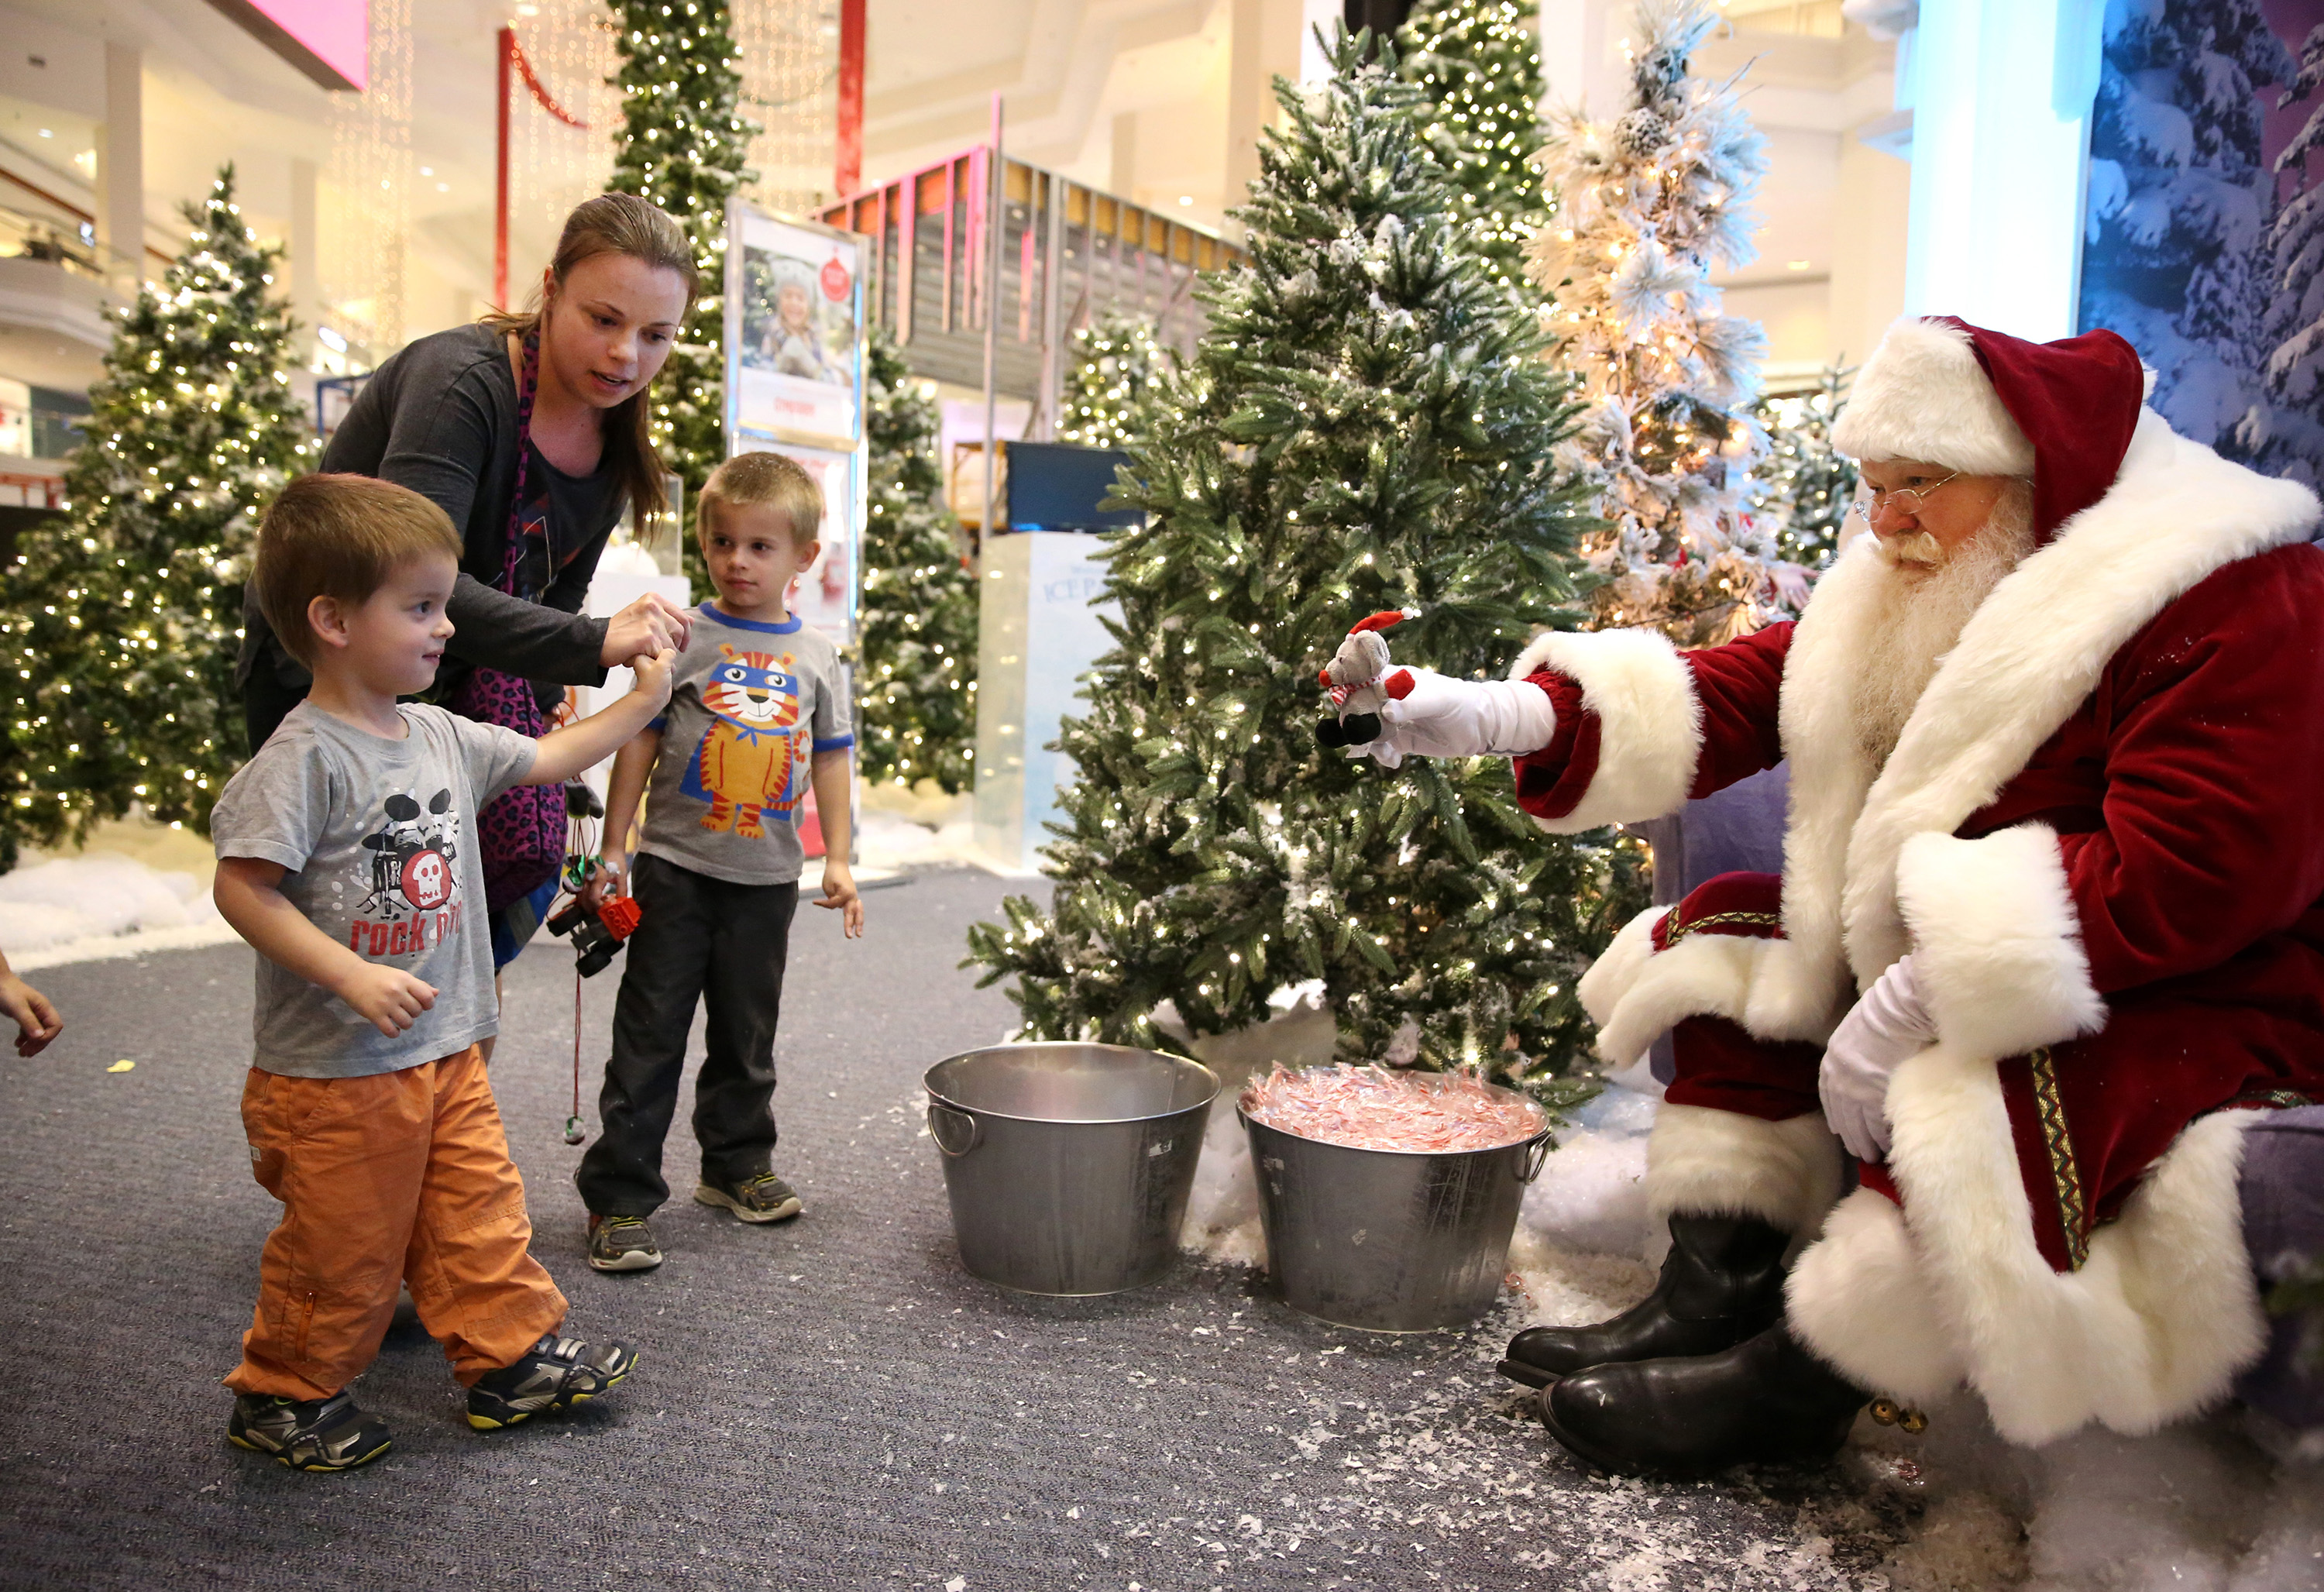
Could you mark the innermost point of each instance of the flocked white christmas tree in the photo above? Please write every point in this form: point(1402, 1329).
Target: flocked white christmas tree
point(1646, 206)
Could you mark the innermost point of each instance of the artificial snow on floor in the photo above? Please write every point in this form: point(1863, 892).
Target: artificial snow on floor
point(101, 904)
point(2223, 1505)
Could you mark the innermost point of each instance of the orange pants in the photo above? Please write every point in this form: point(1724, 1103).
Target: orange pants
point(398, 1177)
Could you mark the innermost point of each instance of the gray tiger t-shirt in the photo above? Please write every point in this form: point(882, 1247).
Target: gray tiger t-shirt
point(750, 703)
point(380, 838)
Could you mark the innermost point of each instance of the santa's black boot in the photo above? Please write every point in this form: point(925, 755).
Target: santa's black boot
point(1766, 1401)
point(1721, 1283)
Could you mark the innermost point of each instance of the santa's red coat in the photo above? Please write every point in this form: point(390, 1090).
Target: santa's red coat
point(2101, 837)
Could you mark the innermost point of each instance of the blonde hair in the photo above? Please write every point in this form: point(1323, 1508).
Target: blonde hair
point(619, 224)
point(751, 480)
point(339, 537)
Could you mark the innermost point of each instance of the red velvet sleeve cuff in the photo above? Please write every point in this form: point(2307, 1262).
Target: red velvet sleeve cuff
point(1552, 780)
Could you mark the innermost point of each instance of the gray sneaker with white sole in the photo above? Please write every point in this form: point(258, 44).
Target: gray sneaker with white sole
point(763, 1198)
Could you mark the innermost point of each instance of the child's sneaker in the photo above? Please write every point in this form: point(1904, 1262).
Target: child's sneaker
point(553, 1374)
point(763, 1198)
point(306, 1434)
point(621, 1244)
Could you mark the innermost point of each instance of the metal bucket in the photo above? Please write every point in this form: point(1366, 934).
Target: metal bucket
point(1068, 1164)
point(1389, 1240)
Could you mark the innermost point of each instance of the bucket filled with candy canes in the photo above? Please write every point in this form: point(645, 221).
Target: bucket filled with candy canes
point(1388, 1199)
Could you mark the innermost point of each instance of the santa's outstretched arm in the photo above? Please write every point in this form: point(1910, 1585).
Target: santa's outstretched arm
point(1642, 727)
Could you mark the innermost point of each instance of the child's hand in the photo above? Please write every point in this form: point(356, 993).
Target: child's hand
point(391, 999)
point(36, 1021)
point(653, 672)
point(839, 895)
point(612, 877)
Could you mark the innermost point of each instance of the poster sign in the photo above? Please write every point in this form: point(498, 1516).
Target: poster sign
point(794, 329)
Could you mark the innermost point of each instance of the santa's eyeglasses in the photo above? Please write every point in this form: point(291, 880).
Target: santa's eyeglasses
point(1906, 501)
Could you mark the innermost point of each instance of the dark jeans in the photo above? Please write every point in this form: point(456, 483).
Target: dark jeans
point(722, 944)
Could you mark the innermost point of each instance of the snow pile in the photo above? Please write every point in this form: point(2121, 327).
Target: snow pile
point(100, 904)
point(886, 840)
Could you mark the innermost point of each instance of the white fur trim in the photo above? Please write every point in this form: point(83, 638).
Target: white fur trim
point(1924, 396)
point(1997, 949)
point(1701, 1162)
point(2033, 651)
point(1635, 994)
point(2153, 1327)
point(1861, 1298)
point(1650, 725)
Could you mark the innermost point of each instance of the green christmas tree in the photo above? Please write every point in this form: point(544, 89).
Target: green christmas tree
point(1369, 424)
point(124, 619)
point(1116, 358)
point(1801, 489)
point(682, 144)
point(1478, 63)
point(1647, 206)
point(919, 596)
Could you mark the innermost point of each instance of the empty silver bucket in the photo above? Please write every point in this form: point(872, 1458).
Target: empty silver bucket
point(1068, 1164)
point(1389, 1240)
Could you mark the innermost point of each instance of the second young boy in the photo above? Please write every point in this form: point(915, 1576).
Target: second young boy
point(758, 716)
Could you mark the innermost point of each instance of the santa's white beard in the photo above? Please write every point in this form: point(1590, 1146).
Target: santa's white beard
point(1927, 598)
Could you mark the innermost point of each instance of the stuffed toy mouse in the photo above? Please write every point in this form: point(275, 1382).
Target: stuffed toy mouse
point(1353, 679)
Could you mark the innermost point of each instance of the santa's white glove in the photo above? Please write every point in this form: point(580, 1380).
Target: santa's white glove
point(1883, 1030)
point(1434, 715)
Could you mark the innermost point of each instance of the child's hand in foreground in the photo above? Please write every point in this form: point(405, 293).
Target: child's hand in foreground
point(610, 879)
point(36, 1020)
point(653, 672)
point(839, 895)
point(389, 997)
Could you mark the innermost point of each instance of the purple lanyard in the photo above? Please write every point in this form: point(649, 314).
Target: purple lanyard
point(528, 380)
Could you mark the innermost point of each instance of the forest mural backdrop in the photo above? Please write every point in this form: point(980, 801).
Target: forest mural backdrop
point(2204, 242)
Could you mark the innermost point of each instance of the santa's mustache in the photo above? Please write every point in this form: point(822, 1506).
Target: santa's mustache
point(1915, 547)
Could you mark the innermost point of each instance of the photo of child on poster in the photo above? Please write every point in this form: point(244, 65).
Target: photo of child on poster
point(793, 321)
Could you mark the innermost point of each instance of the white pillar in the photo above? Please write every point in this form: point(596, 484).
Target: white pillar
point(1326, 15)
point(120, 165)
point(2000, 140)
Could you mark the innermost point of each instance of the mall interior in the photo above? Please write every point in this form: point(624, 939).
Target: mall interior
point(1264, 1102)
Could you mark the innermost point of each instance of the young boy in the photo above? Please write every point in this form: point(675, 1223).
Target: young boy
point(347, 857)
point(758, 699)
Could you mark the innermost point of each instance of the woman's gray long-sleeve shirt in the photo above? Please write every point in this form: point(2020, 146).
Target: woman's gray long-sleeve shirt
point(441, 418)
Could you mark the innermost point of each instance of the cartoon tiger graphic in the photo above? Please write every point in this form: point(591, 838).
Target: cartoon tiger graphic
point(748, 765)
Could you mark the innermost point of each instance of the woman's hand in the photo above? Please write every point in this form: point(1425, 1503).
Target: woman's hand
point(36, 1020)
point(651, 624)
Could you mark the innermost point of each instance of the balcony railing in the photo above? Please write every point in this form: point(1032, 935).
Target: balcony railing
point(1067, 255)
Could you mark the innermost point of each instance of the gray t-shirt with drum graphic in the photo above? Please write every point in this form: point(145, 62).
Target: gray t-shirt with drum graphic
point(380, 840)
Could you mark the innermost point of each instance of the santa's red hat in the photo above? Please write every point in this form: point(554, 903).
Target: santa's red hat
point(1985, 403)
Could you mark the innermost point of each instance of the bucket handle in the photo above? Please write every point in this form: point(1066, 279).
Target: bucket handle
point(956, 1132)
point(1537, 1156)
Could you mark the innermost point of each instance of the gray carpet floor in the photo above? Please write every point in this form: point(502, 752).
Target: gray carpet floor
point(831, 1404)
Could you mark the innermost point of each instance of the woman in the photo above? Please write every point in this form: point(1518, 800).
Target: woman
point(536, 422)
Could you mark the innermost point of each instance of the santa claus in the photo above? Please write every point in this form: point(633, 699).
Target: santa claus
point(2050, 930)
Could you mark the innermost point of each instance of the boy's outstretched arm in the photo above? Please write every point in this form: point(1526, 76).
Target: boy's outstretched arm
point(633, 765)
point(566, 752)
point(35, 1017)
point(834, 789)
point(248, 897)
